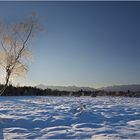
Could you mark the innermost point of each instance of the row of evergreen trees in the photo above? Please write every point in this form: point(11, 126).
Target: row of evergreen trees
point(33, 91)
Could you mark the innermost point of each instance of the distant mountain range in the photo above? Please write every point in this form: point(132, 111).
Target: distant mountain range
point(75, 88)
point(65, 88)
point(122, 88)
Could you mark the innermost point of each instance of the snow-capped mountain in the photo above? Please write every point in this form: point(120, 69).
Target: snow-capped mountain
point(65, 88)
point(108, 88)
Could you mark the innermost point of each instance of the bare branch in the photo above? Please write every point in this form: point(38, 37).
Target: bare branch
point(4, 47)
point(24, 43)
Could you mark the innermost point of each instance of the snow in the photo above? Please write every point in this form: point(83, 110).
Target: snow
point(69, 117)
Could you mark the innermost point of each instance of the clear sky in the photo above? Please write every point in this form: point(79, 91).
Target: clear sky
point(85, 43)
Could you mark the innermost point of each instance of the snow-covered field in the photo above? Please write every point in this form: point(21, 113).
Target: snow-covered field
point(62, 118)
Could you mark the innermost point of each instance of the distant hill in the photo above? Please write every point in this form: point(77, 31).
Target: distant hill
point(108, 88)
point(121, 88)
point(65, 88)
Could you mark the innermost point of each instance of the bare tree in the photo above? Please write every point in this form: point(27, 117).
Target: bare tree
point(14, 52)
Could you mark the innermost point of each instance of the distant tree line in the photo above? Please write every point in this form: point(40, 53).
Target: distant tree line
point(33, 91)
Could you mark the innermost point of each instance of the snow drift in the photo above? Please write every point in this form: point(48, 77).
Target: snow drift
point(69, 117)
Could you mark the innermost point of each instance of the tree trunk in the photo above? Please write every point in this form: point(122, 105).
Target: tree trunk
point(3, 89)
point(6, 84)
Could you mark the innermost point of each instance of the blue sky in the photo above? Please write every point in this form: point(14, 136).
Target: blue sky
point(85, 43)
